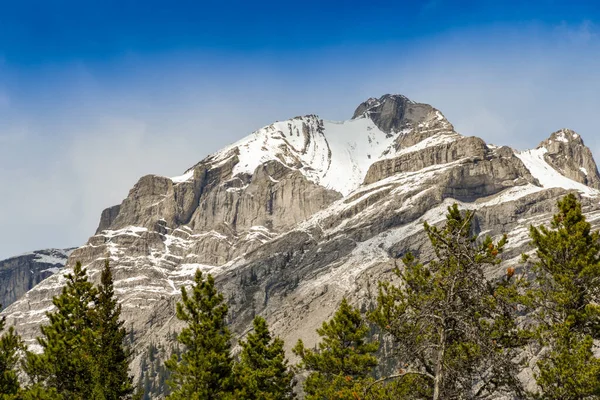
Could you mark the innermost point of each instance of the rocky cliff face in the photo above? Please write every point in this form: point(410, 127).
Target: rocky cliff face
point(393, 113)
point(304, 212)
point(21, 273)
point(566, 152)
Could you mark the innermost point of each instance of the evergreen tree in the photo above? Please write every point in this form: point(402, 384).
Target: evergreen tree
point(37, 392)
point(204, 369)
point(564, 304)
point(262, 373)
point(341, 366)
point(111, 361)
point(10, 347)
point(67, 362)
point(447, 321)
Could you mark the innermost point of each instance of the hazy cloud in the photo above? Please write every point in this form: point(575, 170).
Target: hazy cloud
point(75, 138)
point(582, 33)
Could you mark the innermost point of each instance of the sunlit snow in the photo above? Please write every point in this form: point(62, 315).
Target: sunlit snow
point(548, 176)
point(332, 154)
point(183, 178)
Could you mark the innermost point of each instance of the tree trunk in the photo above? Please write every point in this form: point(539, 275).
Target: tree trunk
point(439, 368)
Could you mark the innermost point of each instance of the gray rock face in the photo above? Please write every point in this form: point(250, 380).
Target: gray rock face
point(304, 212)
point(21, 273)
point(108, 217)
point(392, 113)
point(567, 153)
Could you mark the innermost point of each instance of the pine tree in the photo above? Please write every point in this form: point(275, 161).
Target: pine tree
point(37, 392)
point(448, 324)
point(262, 373)
point(564, 304)
point(204, 369)
point(111, 361)
point(341, 366)
point(10, 347)
point(67, 362)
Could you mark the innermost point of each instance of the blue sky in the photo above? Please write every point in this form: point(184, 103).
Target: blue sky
point(35, 32)
point(95, 94)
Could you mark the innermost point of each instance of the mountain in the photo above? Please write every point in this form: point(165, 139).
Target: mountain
point(303, 212)
point(21, 273)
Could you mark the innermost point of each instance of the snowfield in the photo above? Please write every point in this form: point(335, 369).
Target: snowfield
point(335, 155)
point(548, 176)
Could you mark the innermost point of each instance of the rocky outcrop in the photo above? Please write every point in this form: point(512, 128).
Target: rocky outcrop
point(275, 197)
point(567, 153)
point(393, 113)
point(20, 274)
point(108, 217)
point(304, 212)
point(502, 166)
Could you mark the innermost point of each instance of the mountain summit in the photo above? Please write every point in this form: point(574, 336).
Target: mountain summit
point(566, 152)
point(304, 212)
point(394, 113)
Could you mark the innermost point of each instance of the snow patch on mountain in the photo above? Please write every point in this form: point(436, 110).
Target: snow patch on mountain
point(52, 256)
point(432, 141)
point(354, 146)
point(548, 176)
point(52, 270)
point(335, 155)
point(130, 230)
point(50, 259)
point(183, 178)
point(561, 137)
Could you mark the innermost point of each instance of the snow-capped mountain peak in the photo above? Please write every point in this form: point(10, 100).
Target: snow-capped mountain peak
point(564, 135)
point(567, 154)
point(337, 155)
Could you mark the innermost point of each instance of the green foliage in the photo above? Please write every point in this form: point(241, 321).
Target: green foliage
point(563, 304)
point(67, 361)
point(340, 367)
point(10, 347)
point(204, 369)
point(111, 359)
point(567, 271)
point(449, 324)
point(84, 356)
point(569, 370)
point(38, 392)
point(262, 372)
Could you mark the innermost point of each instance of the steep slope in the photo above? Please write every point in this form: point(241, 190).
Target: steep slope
point(21, 273)
point(303, 212)
point(566, 152)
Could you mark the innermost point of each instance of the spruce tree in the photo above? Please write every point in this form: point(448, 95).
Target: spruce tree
point(67, 362)
point(11, 346)
point(262, 372)
point(37, 392)
point(204, 368)
point(564, 304)
point(449, 325)
point(111, 361)
point(340, 367)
